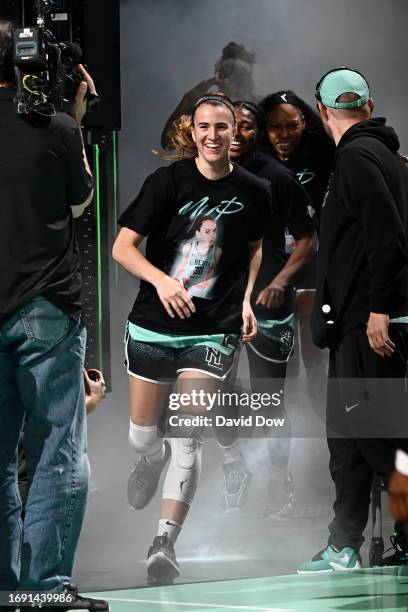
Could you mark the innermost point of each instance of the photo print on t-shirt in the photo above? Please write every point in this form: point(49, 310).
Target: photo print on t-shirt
point(198, 257)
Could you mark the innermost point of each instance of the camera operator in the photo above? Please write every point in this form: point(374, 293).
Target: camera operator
point(44, 180)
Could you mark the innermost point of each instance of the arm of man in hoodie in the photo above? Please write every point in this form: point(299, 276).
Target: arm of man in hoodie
point(370, 202)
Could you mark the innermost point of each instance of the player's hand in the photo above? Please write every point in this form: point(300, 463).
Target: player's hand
point(202, 88)
point(377, 333)
point(95, 388)
point(79, 104)
point(249, 324)
point(398, 490)
point(175, 299)
point(272, 296)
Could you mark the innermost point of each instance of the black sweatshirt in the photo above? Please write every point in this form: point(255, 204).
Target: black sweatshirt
point(363, 258)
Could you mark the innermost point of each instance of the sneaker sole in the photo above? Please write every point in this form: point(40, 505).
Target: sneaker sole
point(303, 572)
point(161, 569)
point(328, 571)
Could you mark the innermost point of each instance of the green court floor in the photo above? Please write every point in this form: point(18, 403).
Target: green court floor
point(377, 589)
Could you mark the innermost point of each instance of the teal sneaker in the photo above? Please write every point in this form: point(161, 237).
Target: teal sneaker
point(329, 560)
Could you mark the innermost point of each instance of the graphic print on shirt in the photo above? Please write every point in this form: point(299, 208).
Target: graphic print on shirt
point(196, 264)
point(203, 207)
point(305, 176)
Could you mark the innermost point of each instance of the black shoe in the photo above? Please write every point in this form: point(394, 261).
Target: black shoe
point(162, 566)
point(282, 499)
point(77, 602)
point(399, 544)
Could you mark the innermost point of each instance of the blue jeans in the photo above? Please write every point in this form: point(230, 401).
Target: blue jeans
point(41, 379)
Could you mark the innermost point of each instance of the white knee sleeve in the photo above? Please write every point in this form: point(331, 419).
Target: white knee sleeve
point(184, 470)
point(145, 441)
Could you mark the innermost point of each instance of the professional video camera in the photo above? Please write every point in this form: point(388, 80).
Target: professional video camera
point(46, 70)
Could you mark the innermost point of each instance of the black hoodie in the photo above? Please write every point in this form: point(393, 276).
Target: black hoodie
point(363, 257)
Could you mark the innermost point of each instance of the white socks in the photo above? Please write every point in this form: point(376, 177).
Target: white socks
point(171, 527)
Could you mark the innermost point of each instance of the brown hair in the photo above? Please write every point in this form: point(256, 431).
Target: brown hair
point(182, 143)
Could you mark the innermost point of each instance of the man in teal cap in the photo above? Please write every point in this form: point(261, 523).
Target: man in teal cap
point(361, 311)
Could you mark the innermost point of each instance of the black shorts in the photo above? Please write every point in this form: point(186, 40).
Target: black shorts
point(161, 364)
point(276, 344)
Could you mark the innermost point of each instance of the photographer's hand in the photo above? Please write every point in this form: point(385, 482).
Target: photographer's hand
point(95, 388)
point(79, 104)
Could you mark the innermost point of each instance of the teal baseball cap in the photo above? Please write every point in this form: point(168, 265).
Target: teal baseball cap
point(340, 81)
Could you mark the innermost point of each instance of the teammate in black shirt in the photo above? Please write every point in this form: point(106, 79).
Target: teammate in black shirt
point(272, 301)
point(296, 138)
point(178, 328)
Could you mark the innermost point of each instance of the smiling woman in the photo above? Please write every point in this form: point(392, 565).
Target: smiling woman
point(213, 130)
point(205, 134)
point(197, 278)
point(295, 136)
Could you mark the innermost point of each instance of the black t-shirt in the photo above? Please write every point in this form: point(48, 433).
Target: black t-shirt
point(198, 231)
point(290, 209)
point(311, 163)
point(42, 173)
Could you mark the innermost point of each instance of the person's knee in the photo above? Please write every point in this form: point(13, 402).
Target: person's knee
point(144, 440)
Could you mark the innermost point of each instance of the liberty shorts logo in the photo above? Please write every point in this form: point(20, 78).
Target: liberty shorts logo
point(286, 342)
point(213, 358)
